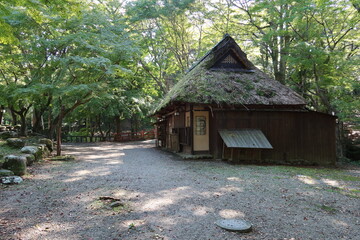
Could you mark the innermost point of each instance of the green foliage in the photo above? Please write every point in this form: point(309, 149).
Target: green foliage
point(65, 58)
point(307, 48)
point(168, 39)
point(112, 59)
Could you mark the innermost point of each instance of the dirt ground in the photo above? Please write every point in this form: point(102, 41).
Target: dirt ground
point(164, 197)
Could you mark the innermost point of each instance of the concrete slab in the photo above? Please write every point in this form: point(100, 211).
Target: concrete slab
point(237, 225)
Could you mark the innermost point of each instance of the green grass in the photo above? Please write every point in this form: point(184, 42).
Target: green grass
point(316, 173)
point(355, 190)
point(279, 172)
point(353, 193)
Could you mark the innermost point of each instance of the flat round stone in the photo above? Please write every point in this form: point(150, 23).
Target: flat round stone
point(238, 225)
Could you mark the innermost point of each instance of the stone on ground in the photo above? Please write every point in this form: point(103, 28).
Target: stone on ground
point(34, 150)
point(237, 225)
point(17, 164)
point(15, 142)
point(49, 144)
point(11, 180)
point(30, 159)
point(6, 172)
point(8, 134)
point(45, 152)
point(116, 204)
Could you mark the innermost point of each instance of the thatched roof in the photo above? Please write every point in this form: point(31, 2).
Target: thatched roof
point(225, 76)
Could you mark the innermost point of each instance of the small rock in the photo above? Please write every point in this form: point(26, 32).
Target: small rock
point(116, 204)
point(15, 142)
point(11, 180)
point(6, 172)
point(17, 164)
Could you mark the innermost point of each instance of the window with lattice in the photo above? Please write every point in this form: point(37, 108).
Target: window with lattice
point(200, 125)
point(229, 61)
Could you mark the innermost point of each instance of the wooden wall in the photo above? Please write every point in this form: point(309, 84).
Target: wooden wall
point(297, 137)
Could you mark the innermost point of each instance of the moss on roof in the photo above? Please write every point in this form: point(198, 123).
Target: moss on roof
point(205, 86)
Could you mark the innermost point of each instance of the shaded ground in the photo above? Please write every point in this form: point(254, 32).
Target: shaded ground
point(168, 198)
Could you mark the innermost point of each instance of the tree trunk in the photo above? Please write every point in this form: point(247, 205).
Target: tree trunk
point(58, 130)
point(340, 143)
point(37, 122)
point(51, 132)
point(13, 117)
point(118, 124)
point(1, 116)
point(23, 128)
point(98, 123)
point(58, 138)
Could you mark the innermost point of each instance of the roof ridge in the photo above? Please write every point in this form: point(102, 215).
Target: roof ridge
point(208, 52)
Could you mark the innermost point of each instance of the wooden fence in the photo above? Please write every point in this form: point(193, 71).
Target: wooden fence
point(121, 137)
point(85, 139)
point(134, 136)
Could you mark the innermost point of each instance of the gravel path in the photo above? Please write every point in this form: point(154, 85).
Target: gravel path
point(168, 198)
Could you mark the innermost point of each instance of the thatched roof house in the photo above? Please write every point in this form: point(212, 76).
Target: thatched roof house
point(225, 76)
point(227, 108)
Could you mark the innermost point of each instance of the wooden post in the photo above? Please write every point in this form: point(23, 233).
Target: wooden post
point(223, 151)
point(192, 129)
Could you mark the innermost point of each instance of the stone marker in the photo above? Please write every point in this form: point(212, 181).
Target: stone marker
point(6, 172)
point(237, 225)
point(11, 180)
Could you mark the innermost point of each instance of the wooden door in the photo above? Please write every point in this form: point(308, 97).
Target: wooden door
point(201, 131)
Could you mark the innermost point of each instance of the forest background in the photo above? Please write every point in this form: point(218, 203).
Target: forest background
point(85, 66)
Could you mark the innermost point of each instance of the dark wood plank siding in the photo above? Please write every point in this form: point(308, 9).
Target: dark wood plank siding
point(297, 137)
point(179, 120)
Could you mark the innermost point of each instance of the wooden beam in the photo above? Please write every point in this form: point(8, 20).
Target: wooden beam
point(223, 151)
point(192, 128)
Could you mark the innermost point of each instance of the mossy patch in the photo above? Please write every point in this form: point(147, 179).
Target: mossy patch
point(106, 204)
point(316, 173)
point(326, 208)
point(63, 158)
